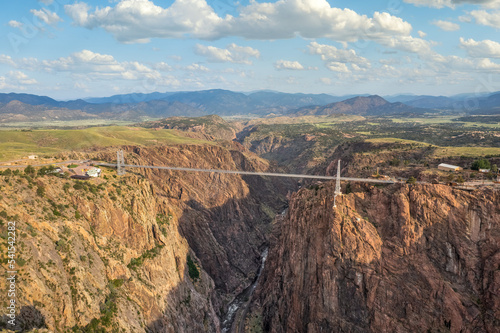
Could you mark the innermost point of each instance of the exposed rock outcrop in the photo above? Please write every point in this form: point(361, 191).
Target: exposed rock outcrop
point(153, 250)
point(398, 259)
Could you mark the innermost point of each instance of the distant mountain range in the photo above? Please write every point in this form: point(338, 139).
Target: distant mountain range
point(225, 102)
point(459, 103)
point(361, 105)
point(28, 107)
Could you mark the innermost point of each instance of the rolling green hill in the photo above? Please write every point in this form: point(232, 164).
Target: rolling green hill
point(18, 143)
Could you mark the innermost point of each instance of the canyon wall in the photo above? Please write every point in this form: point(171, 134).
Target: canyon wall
point(167, 251)
point(154, 250)
point(419, 258)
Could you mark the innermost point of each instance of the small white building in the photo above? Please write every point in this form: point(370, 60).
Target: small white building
point(57, 170)
point(449, 167)
point(32, 157)
point(94, 172)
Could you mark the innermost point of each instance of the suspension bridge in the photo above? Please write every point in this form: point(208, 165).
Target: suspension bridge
point(121, 170)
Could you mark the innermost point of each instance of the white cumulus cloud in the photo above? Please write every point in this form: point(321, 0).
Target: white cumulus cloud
point(287, 64)
point(483, 3)
point(16, 80)
point(140, 20)
point(46, 16)
point(5, 59)
point(481, 49)
point(336, 59)
point(337, 67)
point(20, 78)
point(15, 24)
point(79, 13)
point(446, 25)
point(162, 66)
point(197, 68)
point(483, 17)
point(94, 66)
point(454, 3)
point(310, 19)
point(407, 44)
point(431, 3)
point(232, 53)
point(455, 64)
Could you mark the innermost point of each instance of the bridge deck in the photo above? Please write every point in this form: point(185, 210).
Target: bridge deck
point(250, 173)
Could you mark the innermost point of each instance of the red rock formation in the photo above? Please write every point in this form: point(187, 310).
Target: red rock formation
point(124, 241)
point(398, 259)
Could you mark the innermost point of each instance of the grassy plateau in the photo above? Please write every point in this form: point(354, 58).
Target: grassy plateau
point(16, 144)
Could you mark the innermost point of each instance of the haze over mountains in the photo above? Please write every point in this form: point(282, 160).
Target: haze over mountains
point(361, 105)
point(28, 107)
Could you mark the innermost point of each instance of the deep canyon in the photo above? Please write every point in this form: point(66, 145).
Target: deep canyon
point(165, 251)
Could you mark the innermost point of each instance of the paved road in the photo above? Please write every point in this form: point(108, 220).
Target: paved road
point(479, 183)
point(45, 164)
point(271, 174)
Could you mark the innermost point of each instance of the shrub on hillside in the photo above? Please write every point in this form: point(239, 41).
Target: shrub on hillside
point(411, 180)
point(40, 191)
point(29, 170)
point(193, 271)
point(481, 164)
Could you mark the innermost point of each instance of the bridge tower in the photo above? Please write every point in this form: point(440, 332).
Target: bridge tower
point(338, 190)
point(120, 163)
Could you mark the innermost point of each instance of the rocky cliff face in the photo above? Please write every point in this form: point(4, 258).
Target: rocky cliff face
point(397, 259)
point(153, 250)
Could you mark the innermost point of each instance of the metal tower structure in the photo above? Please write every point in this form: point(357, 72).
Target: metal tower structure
point(120, 163)
point(338, 190)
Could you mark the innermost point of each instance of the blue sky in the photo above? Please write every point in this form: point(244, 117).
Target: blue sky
point(72, 49)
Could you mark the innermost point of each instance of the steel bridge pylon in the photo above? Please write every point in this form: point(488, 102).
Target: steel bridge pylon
point(120, 163)
point(338, 190)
